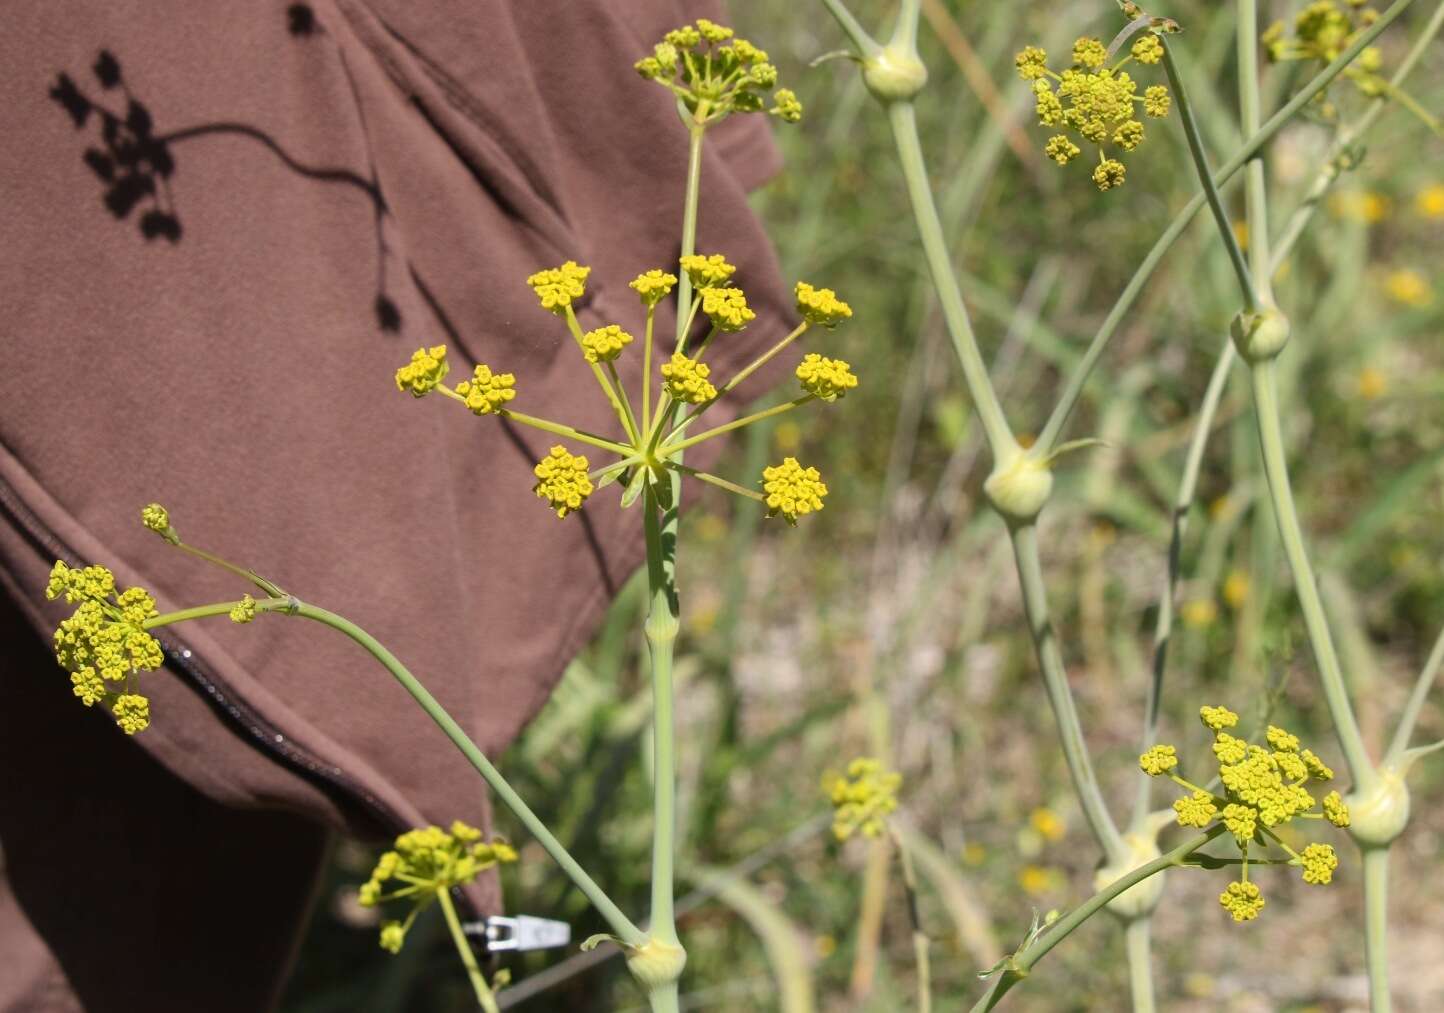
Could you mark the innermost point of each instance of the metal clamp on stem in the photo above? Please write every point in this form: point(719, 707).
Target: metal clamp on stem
point(519, 933)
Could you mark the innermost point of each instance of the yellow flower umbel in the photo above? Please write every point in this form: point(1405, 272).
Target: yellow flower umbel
point(825, 379)
point(424, 865)
point(487, 392)
point(1262, 788)
point(652, 440)
point(1096, 102)
point(562, 480)
point(686, 380)
point(714, 74)
point(104, 644)
point(1323, 30)
point(792, 490)
point(420, 376)
point(557, 287)
point(863, 799)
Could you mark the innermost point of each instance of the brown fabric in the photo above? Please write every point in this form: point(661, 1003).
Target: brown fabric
point(329, 192)
point(149, 895)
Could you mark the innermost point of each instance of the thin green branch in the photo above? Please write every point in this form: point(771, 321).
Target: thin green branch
point(620, 924)
point(1021, 964)
point(1079, 378)
point(1405, 730)
point(1210, 189)
point(1330, 673)
point(1060, 696)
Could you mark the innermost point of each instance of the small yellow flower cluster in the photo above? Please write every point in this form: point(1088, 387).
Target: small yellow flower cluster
point(714, 74)
point(707, 270)
point(863, 799)
point(427, 368)
point(557, 287)
point(792, 490)
point(487, 393)
point(427, 862)
point(562, 480)
point(155, 517)
point(1158, 760)
point(1096, 101)
point(653, 286)
point(605, 343)
point(727, 308)
point(104, 642)
point(1243, 900)
point(1323, 30)
point(825, 379)
point(821, 306)
point(1262, 788)
point(686, 379)
point(244, 611)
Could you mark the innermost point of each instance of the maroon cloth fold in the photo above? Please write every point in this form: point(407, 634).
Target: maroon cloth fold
point(227, 226)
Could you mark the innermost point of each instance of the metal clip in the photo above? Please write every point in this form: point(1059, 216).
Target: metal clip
point(522, 932)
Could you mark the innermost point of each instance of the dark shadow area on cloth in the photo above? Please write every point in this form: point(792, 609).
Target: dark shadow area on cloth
point(105, 848)
point(135, 165)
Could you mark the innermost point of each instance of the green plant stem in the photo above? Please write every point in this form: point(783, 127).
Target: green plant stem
point(1136, 937)
point(1060, 697)
point(630, 419)
point(695, 134)
point(671, 448)
point(1163, 628)
point(903, 120)
point(468, 957)
point(620, 924)
point(1079, 378)
point(566, 432)
point(1205, 177)
point(1376, 926)
point(661, 632)
point(249, 575)
point(747, 371)
point(623, 414)
point(722, 483)
point(867, 46)
point(1255, 182)
point(647, 371)
point(1276, 471)
point(1021, 964)
point(920, 938)
point(218, 609)
point(1400, 742)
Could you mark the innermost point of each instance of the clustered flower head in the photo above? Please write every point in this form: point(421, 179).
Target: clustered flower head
point(655, 435)
point(1262, 788)
point(825, 379)
point(714, 73)
point(558, 287)
point(821, 306)
point(104, 643)
point(425, 863)
point(562, 480)
point(792, 490)
point(1323, 30)
point(427, 368)
point(157, 518)
point(686, 380)
point(653, 286)
point(727, 308)
point(487, 392)
point(605, 343)
point(1096, 102)
point(863, 799)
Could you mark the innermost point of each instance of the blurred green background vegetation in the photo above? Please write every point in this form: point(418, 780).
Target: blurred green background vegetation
point(891, 622)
